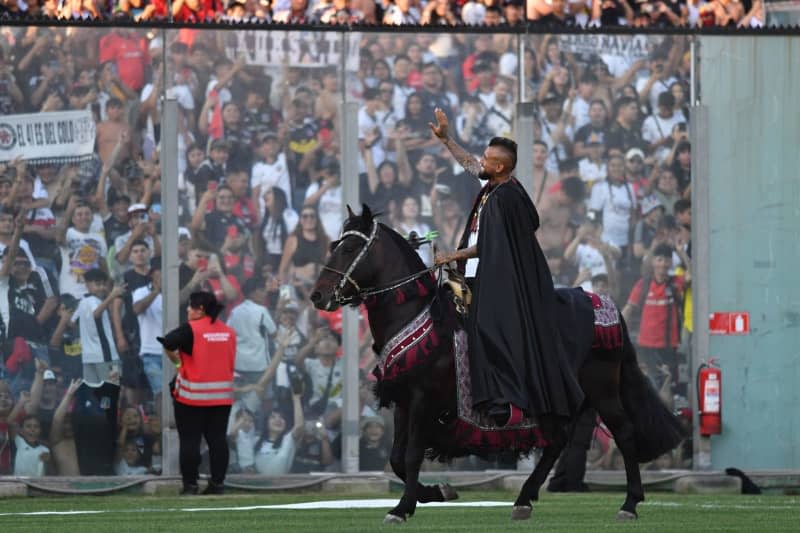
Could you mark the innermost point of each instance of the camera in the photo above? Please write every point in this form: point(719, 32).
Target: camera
point(295, 378)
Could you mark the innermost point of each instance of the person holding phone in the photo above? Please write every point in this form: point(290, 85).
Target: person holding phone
point(141, 229)
point(203, 350)
point(203, 270)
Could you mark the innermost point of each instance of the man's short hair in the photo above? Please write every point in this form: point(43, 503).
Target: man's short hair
point(663, 250)
point(509, 146)
point(29, 417)
point(682, 205)
point(251, 285)
point(114, 102)
point(371, 93)
point(140, 242)
point(624, 101)
point(574, 188)
point(666, 99)
point(95, 274)
point(599, 278)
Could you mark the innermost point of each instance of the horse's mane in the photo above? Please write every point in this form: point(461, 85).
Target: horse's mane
point(409, 255)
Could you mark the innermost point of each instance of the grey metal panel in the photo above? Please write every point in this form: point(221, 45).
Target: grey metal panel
point(699, 133)
point(750, 85)
point(169, 270)
point(349, 168)
point(525, 137)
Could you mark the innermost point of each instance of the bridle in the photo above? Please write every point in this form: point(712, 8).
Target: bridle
point(346, 275)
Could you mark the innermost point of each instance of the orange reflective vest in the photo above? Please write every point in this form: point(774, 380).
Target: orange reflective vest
point(205, 377)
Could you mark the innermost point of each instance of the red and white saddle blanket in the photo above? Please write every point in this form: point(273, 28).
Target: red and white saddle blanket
point(476, 432)
point(607, 325)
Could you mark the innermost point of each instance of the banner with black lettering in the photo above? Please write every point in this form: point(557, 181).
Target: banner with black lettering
point(630, 46)
point(58, 137)
point(293, 48)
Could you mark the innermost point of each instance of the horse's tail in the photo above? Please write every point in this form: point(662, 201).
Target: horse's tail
point(656, 429)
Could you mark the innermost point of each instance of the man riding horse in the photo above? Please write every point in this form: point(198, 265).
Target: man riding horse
point(518, 364)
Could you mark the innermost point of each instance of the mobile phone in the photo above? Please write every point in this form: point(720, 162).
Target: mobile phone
point(285, 292)
point(202, 264)
point(233, 232)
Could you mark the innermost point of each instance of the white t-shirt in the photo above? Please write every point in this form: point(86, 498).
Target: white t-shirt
point(656, 128)
point(367, 124)
point(580, 112)
point(122, 468)
point(27, 462)
point(269, 175)
point(252, 348)
point(5, 310)
point(80, 253)
point(246, 447)
point(425, 252)
point(329, 208)
point(319, 379)
point(500, 120)
point(39, 190)
point(658, 87)
point(276, 462)
point(90, 338)
point(591, 172)
point(587, 257)
point(122, 240)
point(272, 235)
point(556, 152)
point(616, 204)
point(150, 321)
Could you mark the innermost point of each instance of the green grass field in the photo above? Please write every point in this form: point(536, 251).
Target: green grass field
point(585, 512)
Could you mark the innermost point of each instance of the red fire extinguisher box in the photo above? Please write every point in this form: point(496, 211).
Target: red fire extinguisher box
point(709, 398)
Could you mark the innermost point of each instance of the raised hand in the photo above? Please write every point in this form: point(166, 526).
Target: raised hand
point(440, 128)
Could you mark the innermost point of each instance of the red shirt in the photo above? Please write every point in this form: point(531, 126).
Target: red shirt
point(652, 328)
point(129, 55)
point(208, 10)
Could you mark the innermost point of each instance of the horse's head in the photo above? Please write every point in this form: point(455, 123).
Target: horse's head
point(351, 265)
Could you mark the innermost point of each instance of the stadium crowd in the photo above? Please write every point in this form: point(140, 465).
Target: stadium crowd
point(260, 200)
point(636, 13)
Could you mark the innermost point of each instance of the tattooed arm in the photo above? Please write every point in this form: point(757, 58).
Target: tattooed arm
point(464, 158)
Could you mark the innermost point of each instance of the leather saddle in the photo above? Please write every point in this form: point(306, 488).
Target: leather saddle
point(462, 295)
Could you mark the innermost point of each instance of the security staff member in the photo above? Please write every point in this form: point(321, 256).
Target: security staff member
point(203, 350)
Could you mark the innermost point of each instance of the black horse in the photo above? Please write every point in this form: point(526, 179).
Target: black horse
point(373, 264)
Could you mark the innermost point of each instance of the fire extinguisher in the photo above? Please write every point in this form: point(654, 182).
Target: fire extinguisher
point(709, 398)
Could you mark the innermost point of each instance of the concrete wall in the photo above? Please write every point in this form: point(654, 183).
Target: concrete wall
point(750, 88)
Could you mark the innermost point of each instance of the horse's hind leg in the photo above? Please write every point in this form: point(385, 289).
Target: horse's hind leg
point(530, 489)
point(603, 394)
point(425, 493)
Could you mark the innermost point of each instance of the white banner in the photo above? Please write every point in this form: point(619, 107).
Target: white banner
point(57, 137)
point(631, 46)
point(293, 48)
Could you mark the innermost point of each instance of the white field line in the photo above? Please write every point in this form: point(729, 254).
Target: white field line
point(331, 504)
point(751, 507)
point(382, 504)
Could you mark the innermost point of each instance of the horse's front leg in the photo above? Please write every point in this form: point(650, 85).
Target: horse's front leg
point(415, 426)
point(425, 493)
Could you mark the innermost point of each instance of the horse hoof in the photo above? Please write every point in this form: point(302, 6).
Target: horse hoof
point(521, 512)
point(393, 519)
point(626, 515)
point(448, 492)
